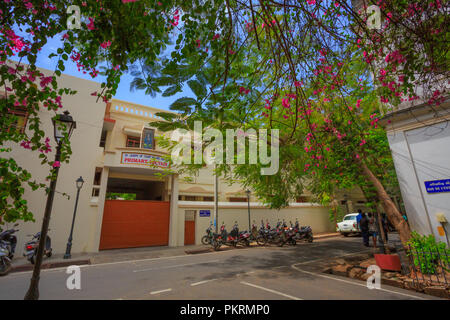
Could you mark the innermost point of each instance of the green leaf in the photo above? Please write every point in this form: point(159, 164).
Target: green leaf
point(172, 90)
point(197, 87)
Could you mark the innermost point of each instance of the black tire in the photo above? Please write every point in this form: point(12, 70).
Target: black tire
point(205, 240)
point(48, 254)
point(310, 238)
point(247, 243)
point(5, 266)
point(345, 234)
point(216, 245)
point(260, 240)
point(32, 259)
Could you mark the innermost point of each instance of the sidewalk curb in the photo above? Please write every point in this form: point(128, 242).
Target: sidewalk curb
point(325, 236)
point(52, 265)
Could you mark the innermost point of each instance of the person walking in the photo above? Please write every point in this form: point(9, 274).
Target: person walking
point(358, 218)
point(373, 230)
point(385, 224)
point(364, 227)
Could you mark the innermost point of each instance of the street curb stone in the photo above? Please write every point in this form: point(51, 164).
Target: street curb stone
point(52, 265)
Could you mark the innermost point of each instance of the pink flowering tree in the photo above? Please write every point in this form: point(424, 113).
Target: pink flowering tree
point(315, 69)
point(112, 36)
point(318, 71)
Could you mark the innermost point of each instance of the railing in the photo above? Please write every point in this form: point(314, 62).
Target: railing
point(429, 267)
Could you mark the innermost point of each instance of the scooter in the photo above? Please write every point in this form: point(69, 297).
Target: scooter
point(5, 262)
point(31, 247)
point(9, 241)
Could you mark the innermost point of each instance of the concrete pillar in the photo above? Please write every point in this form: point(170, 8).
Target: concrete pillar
point(173, 222)
point(97, 229)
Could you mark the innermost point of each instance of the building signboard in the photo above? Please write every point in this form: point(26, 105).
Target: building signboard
point(436, 186)
point(143, 159)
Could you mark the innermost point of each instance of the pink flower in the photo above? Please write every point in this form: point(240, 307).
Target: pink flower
point(56, 164)
point(105, 44)
point(91, 24)
point(45, 81)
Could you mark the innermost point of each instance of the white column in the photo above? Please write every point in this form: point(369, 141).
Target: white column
point(173, 220)
point(97, 228)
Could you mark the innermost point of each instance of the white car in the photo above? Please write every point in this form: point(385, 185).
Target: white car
point(348, 225)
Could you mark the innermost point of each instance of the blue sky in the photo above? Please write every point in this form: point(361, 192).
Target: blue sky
point(123, 91)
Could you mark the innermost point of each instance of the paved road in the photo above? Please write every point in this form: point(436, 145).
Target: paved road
point(242, 274)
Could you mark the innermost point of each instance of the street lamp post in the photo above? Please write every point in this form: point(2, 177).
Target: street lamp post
point(79, 184)
point(60, 122)
point(248, 202)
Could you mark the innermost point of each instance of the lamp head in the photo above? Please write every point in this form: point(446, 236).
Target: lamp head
point(63, 123)
point(79, 182)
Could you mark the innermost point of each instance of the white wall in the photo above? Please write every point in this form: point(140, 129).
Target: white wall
point(315, 216)
point(427, 158)
point(86, 156)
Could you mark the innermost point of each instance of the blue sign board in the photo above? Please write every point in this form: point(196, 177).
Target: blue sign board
point(205, 213)
point(436, 186)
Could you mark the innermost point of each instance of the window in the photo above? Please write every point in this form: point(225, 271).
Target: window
point(350, 218)
point(302, 199)
point(148, 138)
point(97, 182)
point(97, 176)
point(208, 198)
point(190, 198)
point(17, 119)
point(133, 142)
point(103, 139)
point(189, 215)
point(237, 199)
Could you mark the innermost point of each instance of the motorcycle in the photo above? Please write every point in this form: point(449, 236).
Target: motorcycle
point(7, 248)
point(9, 240)
point(225, 238)
point(5, 262)
point(244, 238)
point(31, 247)
point(209, 237)
point(273, 235)
point(303, 233)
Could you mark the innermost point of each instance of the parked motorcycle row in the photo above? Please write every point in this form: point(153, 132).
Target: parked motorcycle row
point(280, 235)
point(8, 243)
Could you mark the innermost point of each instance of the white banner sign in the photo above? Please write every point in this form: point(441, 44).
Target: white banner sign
point(143, 159)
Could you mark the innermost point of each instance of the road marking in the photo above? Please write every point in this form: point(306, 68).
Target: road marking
point(176, 266)
point(270, 290)
point(354, 283)
point(161, 291)
point(201, 282)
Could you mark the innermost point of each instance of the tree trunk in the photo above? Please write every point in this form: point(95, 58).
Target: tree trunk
point(391, 210)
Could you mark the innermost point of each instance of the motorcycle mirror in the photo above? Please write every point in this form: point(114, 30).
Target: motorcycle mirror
point(16, 225)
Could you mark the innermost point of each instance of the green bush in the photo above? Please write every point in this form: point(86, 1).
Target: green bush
point(426, 253)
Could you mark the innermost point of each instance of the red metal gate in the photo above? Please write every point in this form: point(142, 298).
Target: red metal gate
point(134, 223)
